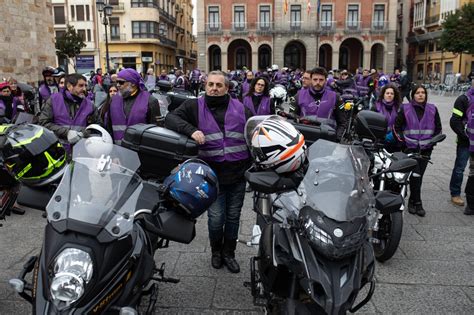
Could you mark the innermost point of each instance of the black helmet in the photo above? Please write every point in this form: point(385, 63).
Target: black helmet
point(48, 71)
point(33, 155)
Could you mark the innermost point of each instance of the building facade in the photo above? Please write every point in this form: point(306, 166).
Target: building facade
point(81, 14)
point(26, 39)
point(342, 34)
point(145, 34)
point(425, 59)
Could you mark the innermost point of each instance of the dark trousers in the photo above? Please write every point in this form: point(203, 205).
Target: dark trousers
point(462, 157)
point(224, 214)
point(416, 179)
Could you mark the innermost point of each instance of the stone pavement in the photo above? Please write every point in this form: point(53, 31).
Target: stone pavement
point(431, 273)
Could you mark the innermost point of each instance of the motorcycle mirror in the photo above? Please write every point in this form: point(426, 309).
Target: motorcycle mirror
point(438, 138)
point(387, 202)
point(403, 166)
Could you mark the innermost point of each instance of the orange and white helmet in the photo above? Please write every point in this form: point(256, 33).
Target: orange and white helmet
point(276, 144)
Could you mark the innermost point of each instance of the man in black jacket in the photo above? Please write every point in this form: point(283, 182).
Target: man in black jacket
point(458, 125)
point(217, 122)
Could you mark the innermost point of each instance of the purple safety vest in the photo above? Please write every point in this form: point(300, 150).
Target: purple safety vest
point(263, 107)
point(62, 116)
point(245, 87)
point(321, 111)
point(419, 133)
point(195, 76)
point(363, 85)
point(137, 114)
point(390, 114)
point(219, 146)
point(45, 92)
point(470, 118)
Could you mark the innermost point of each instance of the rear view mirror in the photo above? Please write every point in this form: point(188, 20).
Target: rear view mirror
point(438, 138)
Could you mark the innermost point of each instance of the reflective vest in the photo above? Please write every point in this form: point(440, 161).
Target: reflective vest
point(418, 133)
point(262, 109)
point(322, 110)
point(390, 114)
point(221, 146)
point(137, 114)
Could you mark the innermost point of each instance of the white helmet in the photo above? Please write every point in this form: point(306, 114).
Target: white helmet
point(274, 67)
point(278, 145)
point(99, 141)
point(278, 92)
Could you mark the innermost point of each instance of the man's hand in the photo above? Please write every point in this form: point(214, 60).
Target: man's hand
point(74, 136)
point(199, 137)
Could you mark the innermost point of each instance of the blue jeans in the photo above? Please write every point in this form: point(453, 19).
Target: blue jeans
point(224, 214)
point(462, 157)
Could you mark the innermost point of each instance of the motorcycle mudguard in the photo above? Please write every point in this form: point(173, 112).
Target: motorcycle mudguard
point(334, 284)
point(120, 267)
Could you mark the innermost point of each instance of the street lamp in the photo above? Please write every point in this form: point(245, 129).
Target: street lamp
point(102, 6)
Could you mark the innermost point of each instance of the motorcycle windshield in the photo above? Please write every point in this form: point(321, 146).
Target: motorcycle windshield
point(164, 101)
point(99, 187)
point(336, 182)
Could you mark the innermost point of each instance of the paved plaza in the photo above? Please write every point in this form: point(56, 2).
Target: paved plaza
point(431, 273)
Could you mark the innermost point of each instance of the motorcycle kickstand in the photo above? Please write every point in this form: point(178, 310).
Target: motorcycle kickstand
point(161, 275)
point(152, 300)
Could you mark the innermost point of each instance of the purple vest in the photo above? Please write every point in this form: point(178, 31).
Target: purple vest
point(195, 75)
point(419, 133)
point(137, 114)
point(363, 85)
point(44, 92)
point(163, 77)
point(219, 146)
point(322, 110)
point(470, 118)
point(263, 107)
point(245, 87)
point(62, 116)
point(390, 115)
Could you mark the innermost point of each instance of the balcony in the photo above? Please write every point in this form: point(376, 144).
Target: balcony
point(167, 42)
point(116, 37)
point(163, 14)
point(238, 28)
point(193, 54)
point(327, 27)
point(295, 25)
point(352, 27)
point(144, 4)
point(433, 20)
point(378, 27)
point(181, 52)
point(264, 28)
point(180, 30)
point(214, 28)
point(118, 8)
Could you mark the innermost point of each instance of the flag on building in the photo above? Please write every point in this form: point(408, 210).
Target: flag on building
point(285, 6)
point(318, 6)
point(308, 6)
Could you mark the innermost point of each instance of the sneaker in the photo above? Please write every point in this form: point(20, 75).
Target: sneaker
point(411, 207)
point(419, 210)
point(457, 200)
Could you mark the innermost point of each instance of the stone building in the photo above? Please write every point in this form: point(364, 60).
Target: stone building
point(26, 39)
point(342, 34)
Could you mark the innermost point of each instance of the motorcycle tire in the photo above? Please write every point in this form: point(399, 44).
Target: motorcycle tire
point(389, 235)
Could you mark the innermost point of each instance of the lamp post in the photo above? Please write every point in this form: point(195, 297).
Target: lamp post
point(105, 8)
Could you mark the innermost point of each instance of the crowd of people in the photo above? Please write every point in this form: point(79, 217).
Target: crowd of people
point(217, 117)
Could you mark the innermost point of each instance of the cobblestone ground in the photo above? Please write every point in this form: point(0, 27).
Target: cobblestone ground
point(432, 272)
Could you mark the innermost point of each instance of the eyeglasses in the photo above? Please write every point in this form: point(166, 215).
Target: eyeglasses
point(120, 82)
point(260, 84)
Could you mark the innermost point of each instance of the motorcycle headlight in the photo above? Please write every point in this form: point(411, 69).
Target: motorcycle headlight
point(72, 270)
point(330, 238)
point(400, 177)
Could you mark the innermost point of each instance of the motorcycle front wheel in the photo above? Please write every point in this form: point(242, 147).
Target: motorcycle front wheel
point(389, 235)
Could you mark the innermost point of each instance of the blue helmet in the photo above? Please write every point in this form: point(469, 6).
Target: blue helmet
point(194, 185)
point(382, 81)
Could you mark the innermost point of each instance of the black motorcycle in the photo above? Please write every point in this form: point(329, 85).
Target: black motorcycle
point(104, 225)
point(315, 252)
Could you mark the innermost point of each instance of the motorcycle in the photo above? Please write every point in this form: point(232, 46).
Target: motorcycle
point(104, 225)
point(314, 231)
point(388, 230)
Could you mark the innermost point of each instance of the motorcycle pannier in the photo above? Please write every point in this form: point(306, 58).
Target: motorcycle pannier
point(159, 149)
point(371, 125)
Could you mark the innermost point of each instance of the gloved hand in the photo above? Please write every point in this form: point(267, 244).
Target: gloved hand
point(73, 136)
point(389, 138)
